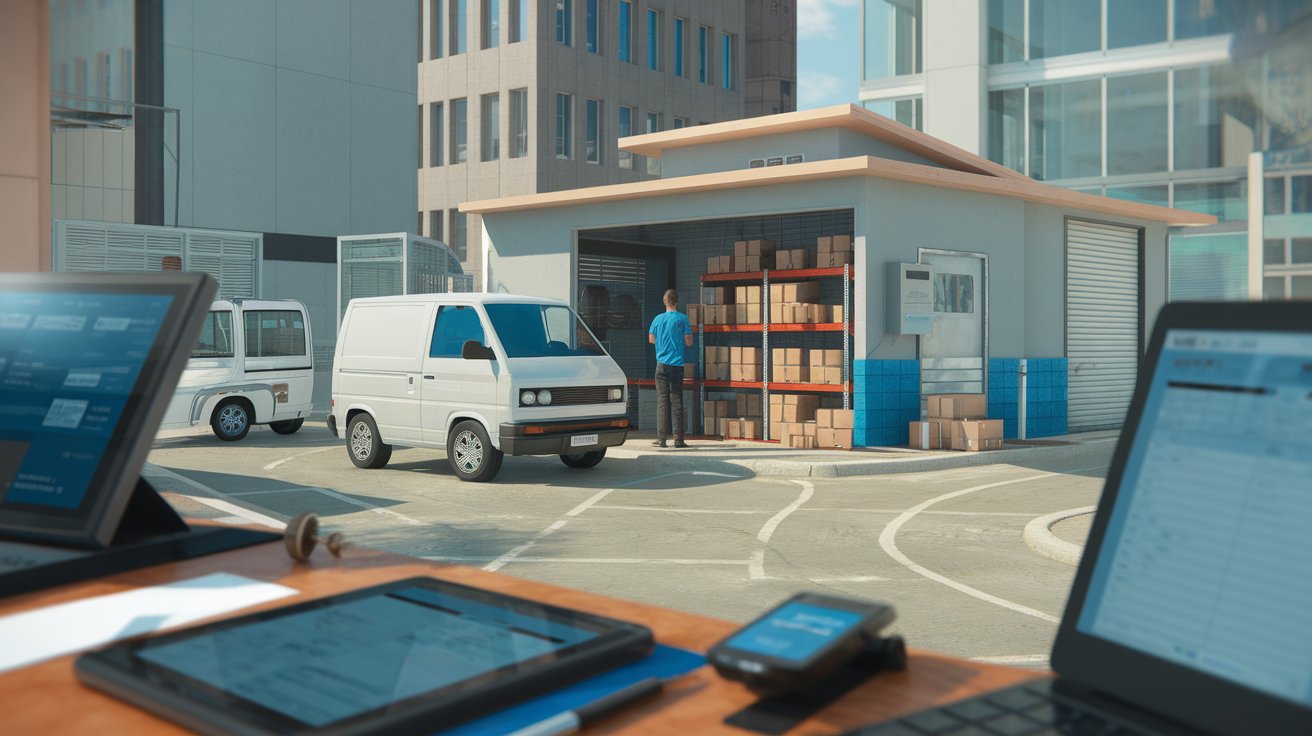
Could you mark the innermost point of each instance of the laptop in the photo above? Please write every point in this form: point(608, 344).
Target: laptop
point(1191, 611)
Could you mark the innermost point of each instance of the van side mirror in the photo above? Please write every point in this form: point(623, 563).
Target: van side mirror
point(475, 350)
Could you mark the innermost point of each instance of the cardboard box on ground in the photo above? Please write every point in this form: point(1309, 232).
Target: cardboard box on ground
point(956, 422)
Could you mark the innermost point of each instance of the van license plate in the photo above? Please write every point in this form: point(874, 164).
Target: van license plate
point(582, 440)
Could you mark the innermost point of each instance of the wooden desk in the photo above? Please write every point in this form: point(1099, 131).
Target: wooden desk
point(46, 698)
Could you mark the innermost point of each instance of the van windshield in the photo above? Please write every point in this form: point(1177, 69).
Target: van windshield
point(215, 337)
point(541, 331)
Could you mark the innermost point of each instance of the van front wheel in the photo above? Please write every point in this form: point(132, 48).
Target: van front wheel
point(584, 459)
point(471, 454)
point(364, 445)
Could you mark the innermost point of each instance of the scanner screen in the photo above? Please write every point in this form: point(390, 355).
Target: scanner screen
point(69, 363)
point(795, 631)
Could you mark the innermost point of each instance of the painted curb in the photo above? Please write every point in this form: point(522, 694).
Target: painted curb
point(1039, 537)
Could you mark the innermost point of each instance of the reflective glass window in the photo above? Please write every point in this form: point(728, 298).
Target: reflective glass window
point(908, 111)
point(1066, 130)
point(1208, 267)
point(1300, 250)
point(459, 232)
point(491, 23)
point(518, 19)
point(565, 22)
point(459, 33)
point(1300, 287)
point(274, 333)
point(593, 21)
point(954, 293)
point(1195, 18)
point(1060, 27)
point(1135, 22)
point(1300, 191)
point(726, 60)
point(1215, 119)
point(1006, 31)
point(653, 40)
point(459, 130)
point(1273, 196)
point(680, 31)
point(564, 126)
point(215, 337)
point(1228, 200)
point(1007, 128)
point(518, 123)
point(626, 30)
point(592, 132)
point(455, 325)
point(490, 120)
point(626, 130)
point(703, 51)
point(435, 38)
point(1273, 252)
point(1273, 287)
point(1136, 124)
point(892, 38)
point(436, 144)
point(1151, 194)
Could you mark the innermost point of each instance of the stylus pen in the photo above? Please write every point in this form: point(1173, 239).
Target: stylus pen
point(572, 721)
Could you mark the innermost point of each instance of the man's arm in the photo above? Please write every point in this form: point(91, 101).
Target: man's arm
point(651, 338)
point(687, 340)
point(687, 334)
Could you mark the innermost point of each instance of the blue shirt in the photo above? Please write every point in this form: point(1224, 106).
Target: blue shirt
point(669, 329)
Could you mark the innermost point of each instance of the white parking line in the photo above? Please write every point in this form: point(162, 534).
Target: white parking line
point(756, 570)
point(742, 512)
point(363, 505)
point(280, 461)
point(505, 559)
point(603, 560)
point(233, 509)
point(1014, 659)
point(888, 535)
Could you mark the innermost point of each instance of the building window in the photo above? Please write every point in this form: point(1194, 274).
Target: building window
point(1007, 128)
point(1066, 130)
point(1300, 194)
point(103, 88)
point(1228, 200)
point(421, 147)
point(1060, 27)
point(435, 29)
point(1216, 123)
point(653, 126)
point(518, 20)
point(703, 54)
point(1135, 22)
point(82, 73)
point(1152, 194)
point(459, 32)
point(1197, 18)
point(435, 224)
point(626, 31)
point(564, 125)
point(726, 63)
point(491, 23)
point(565, 22)
point(625, 130)
point(1006, 31)
point(892, 38)
point(126, 71)
point(954, 293)
point(518, 123)
point(419, 227)
point(490, 127)
point(592, 23)
point(680, 32)
point(458, 245)
point(909, 111)
point(435, 143)
point(592, 132)
point(654, 40)
point(680, 123)
point(459, 130)
point(1136, 124)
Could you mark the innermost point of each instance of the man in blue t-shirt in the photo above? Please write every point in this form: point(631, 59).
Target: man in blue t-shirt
point(670, 334)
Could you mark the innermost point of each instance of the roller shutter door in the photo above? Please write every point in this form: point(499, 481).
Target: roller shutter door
point(1102, 322)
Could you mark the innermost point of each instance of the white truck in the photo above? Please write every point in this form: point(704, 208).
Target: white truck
point(481, 375)
point(253, 364)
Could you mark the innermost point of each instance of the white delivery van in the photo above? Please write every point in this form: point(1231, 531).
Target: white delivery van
point(253, 364)
point(481, 375)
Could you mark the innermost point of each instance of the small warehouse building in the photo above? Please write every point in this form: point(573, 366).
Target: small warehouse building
point(919, 269)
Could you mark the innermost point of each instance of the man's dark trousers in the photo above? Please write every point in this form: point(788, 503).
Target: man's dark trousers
point(669, 399)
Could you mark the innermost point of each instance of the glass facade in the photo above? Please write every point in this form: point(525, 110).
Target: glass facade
point(726, 60)
point(518, 123)
point(1215, 119)
point(435, 37)
point(564, 126)
point(1065, 130)
point(1135, 22)
point(565, 22)
point(1136, 124)
point(1007, 128)
point(1006, 31)
point(891, 38)
point(436, 145)
point(653, 40)
point(458, 234)
point(1060, 27)
point(626, 31)
point(625, 130)
point(703, 54)
point(680, 34)
point(490, 127)
point(592, 132)
point(591, 23)
point(459, 29)
point(906, 111)
point(518, 20)
point(491, 23)
point(459, 130)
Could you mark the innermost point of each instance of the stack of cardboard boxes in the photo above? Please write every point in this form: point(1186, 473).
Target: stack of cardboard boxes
point(794, 259)
point(789, 365)
point(798, 303)
point(748, 256)
point(833, 251)
point(718, 360)
point(956, 422)
point(745, 364)
point(833, 428)
point(715, 417)
point(747, 305)
point(739, 418)
point(792, 419)
point(827, 367)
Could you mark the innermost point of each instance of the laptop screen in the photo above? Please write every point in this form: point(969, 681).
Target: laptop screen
point(1205, 560)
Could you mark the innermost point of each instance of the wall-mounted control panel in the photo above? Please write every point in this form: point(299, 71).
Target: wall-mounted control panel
point(910, 299)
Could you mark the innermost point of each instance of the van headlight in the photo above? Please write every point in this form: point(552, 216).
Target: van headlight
point(616, 394)
point(528, 398)
point(544, 397)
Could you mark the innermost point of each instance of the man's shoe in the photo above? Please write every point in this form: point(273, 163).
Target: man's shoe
point(680, 443)
point(660, 443)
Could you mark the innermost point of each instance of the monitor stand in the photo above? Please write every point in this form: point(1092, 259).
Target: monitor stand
point(149, 533)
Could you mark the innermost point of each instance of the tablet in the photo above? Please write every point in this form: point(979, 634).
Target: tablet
point(414, 656)
point(88, 364)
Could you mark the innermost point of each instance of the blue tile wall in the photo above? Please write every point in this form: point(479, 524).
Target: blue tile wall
point(886, 395)
point(1046, 397)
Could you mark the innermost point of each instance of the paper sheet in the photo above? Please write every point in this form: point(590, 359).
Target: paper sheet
point(34, 636)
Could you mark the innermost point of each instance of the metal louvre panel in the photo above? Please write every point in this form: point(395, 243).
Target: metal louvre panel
point(575, 395)
point(231, 258)
point(1102, 322)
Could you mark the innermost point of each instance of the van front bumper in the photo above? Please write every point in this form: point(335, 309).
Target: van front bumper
point(556, 438)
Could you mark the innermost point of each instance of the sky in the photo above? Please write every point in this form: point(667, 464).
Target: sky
point(828, 52)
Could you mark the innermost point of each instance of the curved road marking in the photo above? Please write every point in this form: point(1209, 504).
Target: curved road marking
point(756, 568)
point(280, 461)
point(889, 545)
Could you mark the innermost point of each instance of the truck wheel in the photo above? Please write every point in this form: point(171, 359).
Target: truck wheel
point(584, 459)
point(471, 454)
point(231, 420)
point(287, 426)
point(363, 444)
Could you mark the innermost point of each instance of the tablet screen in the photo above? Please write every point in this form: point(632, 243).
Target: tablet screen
point(330, 663)
point(69, 364)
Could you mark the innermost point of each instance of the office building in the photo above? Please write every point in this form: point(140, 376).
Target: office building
point(1194, 104)
point(518, 97)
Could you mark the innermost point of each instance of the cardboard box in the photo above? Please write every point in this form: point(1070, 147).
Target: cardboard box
point(713, 265)
point(833, 260)
point(740, 249)
point(746, 264)
point(799, 413)
point(727, 315)
point(827, 437)
point(779, 314)
point(836, 313)
point(751, 355)
point(806, 291)
point(976, 435)
point(749, 373)
point(753, 314)
point(750, 428)
point(927, 435)
point(844, 419)
point(819, 314)
point(957, 406)
point(801, 442)
point(797, 258)
point(695, 314)
point(747, 405)
point(809, 429)
point(736, 355)
point(841, 243)
point(722, 427)
point(785, 356)
point(790, 373)
point(709, 426)
point(760, 247)
point(824, 244)
point(833, 375)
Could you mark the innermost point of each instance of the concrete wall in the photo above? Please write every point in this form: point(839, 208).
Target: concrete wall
point(298, 116)
point(816, 145)
point(25, 144)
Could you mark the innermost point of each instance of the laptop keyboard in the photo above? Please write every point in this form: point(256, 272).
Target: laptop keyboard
point(1024, 710)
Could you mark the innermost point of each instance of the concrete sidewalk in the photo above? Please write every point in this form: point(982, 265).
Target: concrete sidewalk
point(763, 458)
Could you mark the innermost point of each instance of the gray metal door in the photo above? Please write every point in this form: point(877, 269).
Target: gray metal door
point(1102, 322)
point(952, 357)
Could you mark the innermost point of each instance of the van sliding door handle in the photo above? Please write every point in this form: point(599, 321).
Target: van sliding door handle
point(428, 378)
